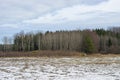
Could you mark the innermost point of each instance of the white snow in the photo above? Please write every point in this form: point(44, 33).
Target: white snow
point(84, 68)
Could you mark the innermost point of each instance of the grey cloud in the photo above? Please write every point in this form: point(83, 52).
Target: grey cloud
point(92, 2)
point(24, 9)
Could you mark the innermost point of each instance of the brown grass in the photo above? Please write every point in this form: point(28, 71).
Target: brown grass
point(103, 55)
point(47, 53)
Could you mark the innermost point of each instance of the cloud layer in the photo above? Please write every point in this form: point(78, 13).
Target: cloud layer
point(101, 13)
point(16, 11)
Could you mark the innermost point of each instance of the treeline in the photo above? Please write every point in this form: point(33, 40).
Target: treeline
point(88, 41)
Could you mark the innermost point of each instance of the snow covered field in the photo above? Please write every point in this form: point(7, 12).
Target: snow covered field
point(85, 68)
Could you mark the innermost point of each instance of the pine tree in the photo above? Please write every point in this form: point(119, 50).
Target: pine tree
point(88, 46)
point(109, 43)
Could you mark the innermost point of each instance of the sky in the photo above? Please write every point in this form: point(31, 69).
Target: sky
point(43, 15)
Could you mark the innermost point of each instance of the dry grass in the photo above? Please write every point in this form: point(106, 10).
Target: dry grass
point(103, 55)
point(47, 53)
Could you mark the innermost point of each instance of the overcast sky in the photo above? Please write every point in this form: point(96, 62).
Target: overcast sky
point(42, 15)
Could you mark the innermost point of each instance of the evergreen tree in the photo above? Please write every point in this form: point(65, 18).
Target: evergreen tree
point(88, 45)
point(109, 43)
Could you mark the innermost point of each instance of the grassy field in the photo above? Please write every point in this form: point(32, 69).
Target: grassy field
point(62, 68)
point(41, 54)
point(47, 53)
point(59, 65)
